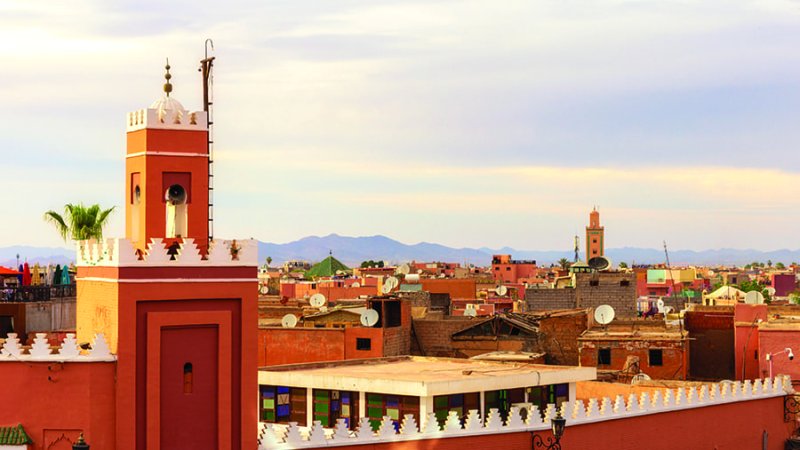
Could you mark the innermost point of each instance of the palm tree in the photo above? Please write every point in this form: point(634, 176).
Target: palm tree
point(564, 263)
point(79, 222)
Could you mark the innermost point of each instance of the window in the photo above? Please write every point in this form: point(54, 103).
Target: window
point(604, 357)
point(508, 269)
point(363, 344)
point(502, 399)
point(594, 241)
point(460, 403)
point(656, 357)
point(393, 313)
point(282, 404)
point(594, 283)
point(496, 268)
point(331, 405)
point(188, 378)
point(541, 396)
point(625, 283)
point(394, 406)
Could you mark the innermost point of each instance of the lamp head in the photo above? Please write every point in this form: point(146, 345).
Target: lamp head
point(790, 353)
point(558, 424)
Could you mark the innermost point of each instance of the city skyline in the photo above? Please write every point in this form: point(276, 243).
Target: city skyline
point(455, 122)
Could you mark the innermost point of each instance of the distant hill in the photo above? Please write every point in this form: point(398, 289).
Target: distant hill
point(353, 250)
point(41, 255)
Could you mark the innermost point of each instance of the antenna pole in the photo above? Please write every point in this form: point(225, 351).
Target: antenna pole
point(206, 68)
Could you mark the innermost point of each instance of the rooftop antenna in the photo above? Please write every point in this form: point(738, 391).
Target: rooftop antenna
point(577, 246)
point(206, 68)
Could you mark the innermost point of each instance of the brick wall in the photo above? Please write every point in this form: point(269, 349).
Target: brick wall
point(607, 288)
point(558, 337)
point(419, 298)
point(432, 335)
point(546, 299)
point(675, 356)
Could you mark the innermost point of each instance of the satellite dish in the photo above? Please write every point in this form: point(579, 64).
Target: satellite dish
point(660, 305)
point(419, 271)
point(599, 263)
point(369, 318)
point(386, 289)
point(640, 377)
point(340, 272)
point(323, 309)
point(604, 314)
point(393, 282)
point(289, 321)
point(264, 290)
point(771, 291)
point(356, 285)
point(754, 298)
point(501, 290)
point(470, 312)
point(317, 300)
point(404, 269)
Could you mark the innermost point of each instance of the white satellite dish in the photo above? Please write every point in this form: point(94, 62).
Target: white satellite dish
point(419, 271)
point(386, 289)
point(754, 298)
point(771, 291)
point(317, 300)
point(604, 314)
point(393, 282)
point(640, 377)
point(356, 285)
point(501, 290)
point(369, 318)
point(323, 309)
point(264, 290)
point(289, 321)
point(470, 312)
point(660, 305)
point(404, 269)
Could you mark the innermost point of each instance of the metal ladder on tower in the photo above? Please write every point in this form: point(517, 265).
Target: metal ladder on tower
point(206, 68)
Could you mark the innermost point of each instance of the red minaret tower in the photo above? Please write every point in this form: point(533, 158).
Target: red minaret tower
point(594, 236)
point(178, 310)
point(166, 173)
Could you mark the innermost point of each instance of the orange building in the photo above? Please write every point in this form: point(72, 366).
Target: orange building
point(595, 245)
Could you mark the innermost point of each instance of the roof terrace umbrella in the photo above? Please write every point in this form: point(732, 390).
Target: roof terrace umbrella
point(57, 275)
point(48, 275)
point(65, 275)
point(26, 274)
point(36, 275)
point(19, 277)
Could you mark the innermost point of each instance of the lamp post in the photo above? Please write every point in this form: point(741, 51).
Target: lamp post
point(553, 443)
point(80, 444)
point(770, 357)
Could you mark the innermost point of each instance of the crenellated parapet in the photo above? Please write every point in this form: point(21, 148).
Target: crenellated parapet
point(277, 436)
point(118, 252)
point(69, 351)
point(169, 119)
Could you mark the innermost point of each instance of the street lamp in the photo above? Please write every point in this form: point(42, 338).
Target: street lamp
point(772, 355)
point(80, 444)
point(557, 425)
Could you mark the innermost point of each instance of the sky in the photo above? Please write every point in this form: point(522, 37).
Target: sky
point(465, 123)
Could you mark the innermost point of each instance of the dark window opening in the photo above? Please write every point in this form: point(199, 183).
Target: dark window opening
point(604, 357)
point(656, 357)
point(594, 283)
point(508, 269)
point(625, 283)
point(363, 344)
point(188, 378)
point(393, 313)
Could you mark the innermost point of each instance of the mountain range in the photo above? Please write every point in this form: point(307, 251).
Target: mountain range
point(353, 250)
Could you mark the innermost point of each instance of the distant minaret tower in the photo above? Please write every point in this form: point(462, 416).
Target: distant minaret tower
point(166, 168)
point(594, 236)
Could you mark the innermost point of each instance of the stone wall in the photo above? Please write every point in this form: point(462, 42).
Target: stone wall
point(617, 289)
point(558, 337)
point(432, 334)
point(546, 299)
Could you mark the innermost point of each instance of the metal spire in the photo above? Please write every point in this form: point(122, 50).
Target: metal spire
point(167, 76)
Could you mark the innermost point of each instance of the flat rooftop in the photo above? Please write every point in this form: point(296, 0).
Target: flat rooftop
point(421, 376)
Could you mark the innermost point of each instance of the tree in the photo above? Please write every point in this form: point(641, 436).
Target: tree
point(769, 263)
point(269, 260)
point(80, 222)
point(752, 285)
point(780, 266)
point(564, 263)
point(623, 265)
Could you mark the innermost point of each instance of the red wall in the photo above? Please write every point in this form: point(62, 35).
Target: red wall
point(746, 339)
point(774, 341)
point(299, 345)
point(54, 399)
point(457, 288)
point(732, 426)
